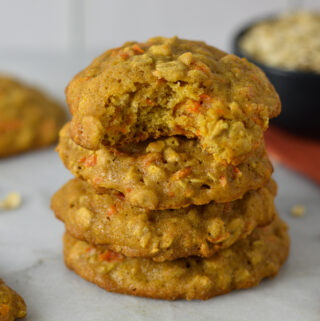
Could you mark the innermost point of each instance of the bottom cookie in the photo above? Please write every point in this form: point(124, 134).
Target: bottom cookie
point(12, 305)
point(243, 265)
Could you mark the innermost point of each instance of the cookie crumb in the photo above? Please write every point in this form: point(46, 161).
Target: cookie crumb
point(298, 211)
point(12, 201)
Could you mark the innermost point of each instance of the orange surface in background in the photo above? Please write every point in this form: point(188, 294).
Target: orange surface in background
point(298, 153)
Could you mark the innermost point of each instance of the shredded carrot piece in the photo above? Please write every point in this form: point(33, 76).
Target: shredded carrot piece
point(181, 173)
point(160, 81)
point(205, 97)
point(116, 52)
point(257, 121)
point(220, 238)
point(202, 67)
point(116, 151)
point(111, 210)
point(150, 102)
point(236, 172)
point(195, 107)
point(10, 125)
point(219, 111)
point(179, 130)
point(124, 55)
point(206, 100)
point(97, 180)
point(89, 161)
point(88, 249)
point(129, 190)
point(256, 145)
point(4, 310)
point(150, 158)
point(252, 76)
point(110, 256)
point(123, 130)
point(137, 49)
point(223, 181)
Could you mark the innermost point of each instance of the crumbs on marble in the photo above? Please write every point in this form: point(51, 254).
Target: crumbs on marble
point(11, 201)
point(298, 210)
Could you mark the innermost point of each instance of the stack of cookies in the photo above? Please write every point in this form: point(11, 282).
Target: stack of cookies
point(173, 196)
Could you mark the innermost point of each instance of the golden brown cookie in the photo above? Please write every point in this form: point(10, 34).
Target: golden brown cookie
point(243, 265)
point(28, 119)
point(168, 173)
point(167, 87)
point(162, 235)
point(12, 306)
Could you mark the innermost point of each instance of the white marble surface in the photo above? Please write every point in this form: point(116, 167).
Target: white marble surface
point(31, 248)
point(31, 259)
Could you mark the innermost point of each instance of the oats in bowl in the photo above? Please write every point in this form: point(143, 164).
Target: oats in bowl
point(289, 41)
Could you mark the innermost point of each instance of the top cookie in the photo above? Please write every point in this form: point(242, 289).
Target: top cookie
point(28, 119)
point(170, 86)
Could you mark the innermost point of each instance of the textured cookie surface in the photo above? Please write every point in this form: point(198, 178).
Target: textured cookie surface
point(28, 119)
point(12, 306)
point(168, 173)
point(162, 235)
point(243, 265)
point(167, 87)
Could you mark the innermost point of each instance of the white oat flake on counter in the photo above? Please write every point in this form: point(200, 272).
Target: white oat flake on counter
point(298, 210)
point(11, 201)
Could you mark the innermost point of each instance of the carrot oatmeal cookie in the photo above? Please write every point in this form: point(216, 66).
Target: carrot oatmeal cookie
point(28, 119)
point(162, 235)
point(12, 306)
point(171, 172)
point(167, 87)
point(243, 265)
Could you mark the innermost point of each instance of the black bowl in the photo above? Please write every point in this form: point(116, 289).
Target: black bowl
point(299, 93)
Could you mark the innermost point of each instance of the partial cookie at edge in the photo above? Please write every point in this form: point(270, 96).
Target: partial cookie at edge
point(12, 306)
point(28, 118)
